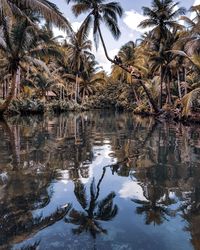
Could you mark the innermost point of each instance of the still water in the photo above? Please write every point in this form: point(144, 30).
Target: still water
point(99, 180)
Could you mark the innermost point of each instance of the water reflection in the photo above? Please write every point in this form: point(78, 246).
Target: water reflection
point(58, 174)
point(93, 210)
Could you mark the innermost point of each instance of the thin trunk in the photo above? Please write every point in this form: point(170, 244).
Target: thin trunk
point(63, 93)
point(76, 86)
point(83, 97)
point(60, 94)
point(161, 86)
point(185, 78)
point(10, 97)
point(147, 91)
point(136, 95)
point(167, 84)
point(18, 81)
point(179, 86)
point(4, 87)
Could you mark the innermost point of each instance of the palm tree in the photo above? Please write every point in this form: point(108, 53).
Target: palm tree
point(48, 10)
point(107, 14)
point(127, 55)
point(161, 17)
point(21, 45)
point(91, 83)
point(78, 51)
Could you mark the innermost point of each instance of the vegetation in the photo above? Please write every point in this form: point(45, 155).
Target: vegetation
point(158, 73)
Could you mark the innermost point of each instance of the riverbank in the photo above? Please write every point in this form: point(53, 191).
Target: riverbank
point(119, 97)
point(39, 107)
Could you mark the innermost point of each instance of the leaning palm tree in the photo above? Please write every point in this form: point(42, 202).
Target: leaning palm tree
point(21, 44)
point(99, 12)
point(127, 55)
point(107, 13)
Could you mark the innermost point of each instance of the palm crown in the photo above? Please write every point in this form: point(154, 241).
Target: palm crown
point(161, 16)
point(99, 12)
point(45, 8)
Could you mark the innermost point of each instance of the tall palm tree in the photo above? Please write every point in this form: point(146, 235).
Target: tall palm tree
point(161, 17)
point(79, 52)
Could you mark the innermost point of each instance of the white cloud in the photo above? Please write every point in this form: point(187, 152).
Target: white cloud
point(196, 2)
point(76, 25)
point(101, 58)
point(132, 19)
point(131, 189)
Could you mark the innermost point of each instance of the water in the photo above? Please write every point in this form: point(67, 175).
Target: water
point(99, 180)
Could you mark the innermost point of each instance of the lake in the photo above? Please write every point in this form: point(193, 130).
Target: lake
point(99, 180)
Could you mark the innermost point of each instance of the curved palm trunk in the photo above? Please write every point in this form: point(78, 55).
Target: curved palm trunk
point(9, 98)
point(147, 91)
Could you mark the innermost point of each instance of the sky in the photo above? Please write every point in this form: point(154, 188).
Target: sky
point(128, 25)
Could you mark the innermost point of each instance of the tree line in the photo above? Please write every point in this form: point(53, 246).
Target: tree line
point(162, 67)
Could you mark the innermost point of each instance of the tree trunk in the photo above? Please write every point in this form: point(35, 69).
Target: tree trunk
point(18, 81)
point(10, 97)
point(168, 100)
point(4, 88)
point(136, 95)
point(178, 83)
point(185, 78)
point(83, 97)
point(161, 86)
point(146, 90)
point(76, 88)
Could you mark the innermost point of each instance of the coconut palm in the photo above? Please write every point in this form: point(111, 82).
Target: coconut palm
point(161, 17)
point(21, 45)
point(48, 10)
point(99, 12)
point(90, 84)
point(107, 14)
point(78, 51)
point(126, 53)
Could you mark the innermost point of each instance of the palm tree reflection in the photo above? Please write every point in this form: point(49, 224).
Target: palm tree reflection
point(94, 210)
point(156, 207)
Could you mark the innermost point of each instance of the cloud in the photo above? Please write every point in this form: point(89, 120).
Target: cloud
point(131, 189)
point(132, 19)
point(101, 58)
point(76, 25)
point(196, 2)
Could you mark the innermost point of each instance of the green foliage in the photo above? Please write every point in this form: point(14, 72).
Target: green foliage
point(27, 106)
